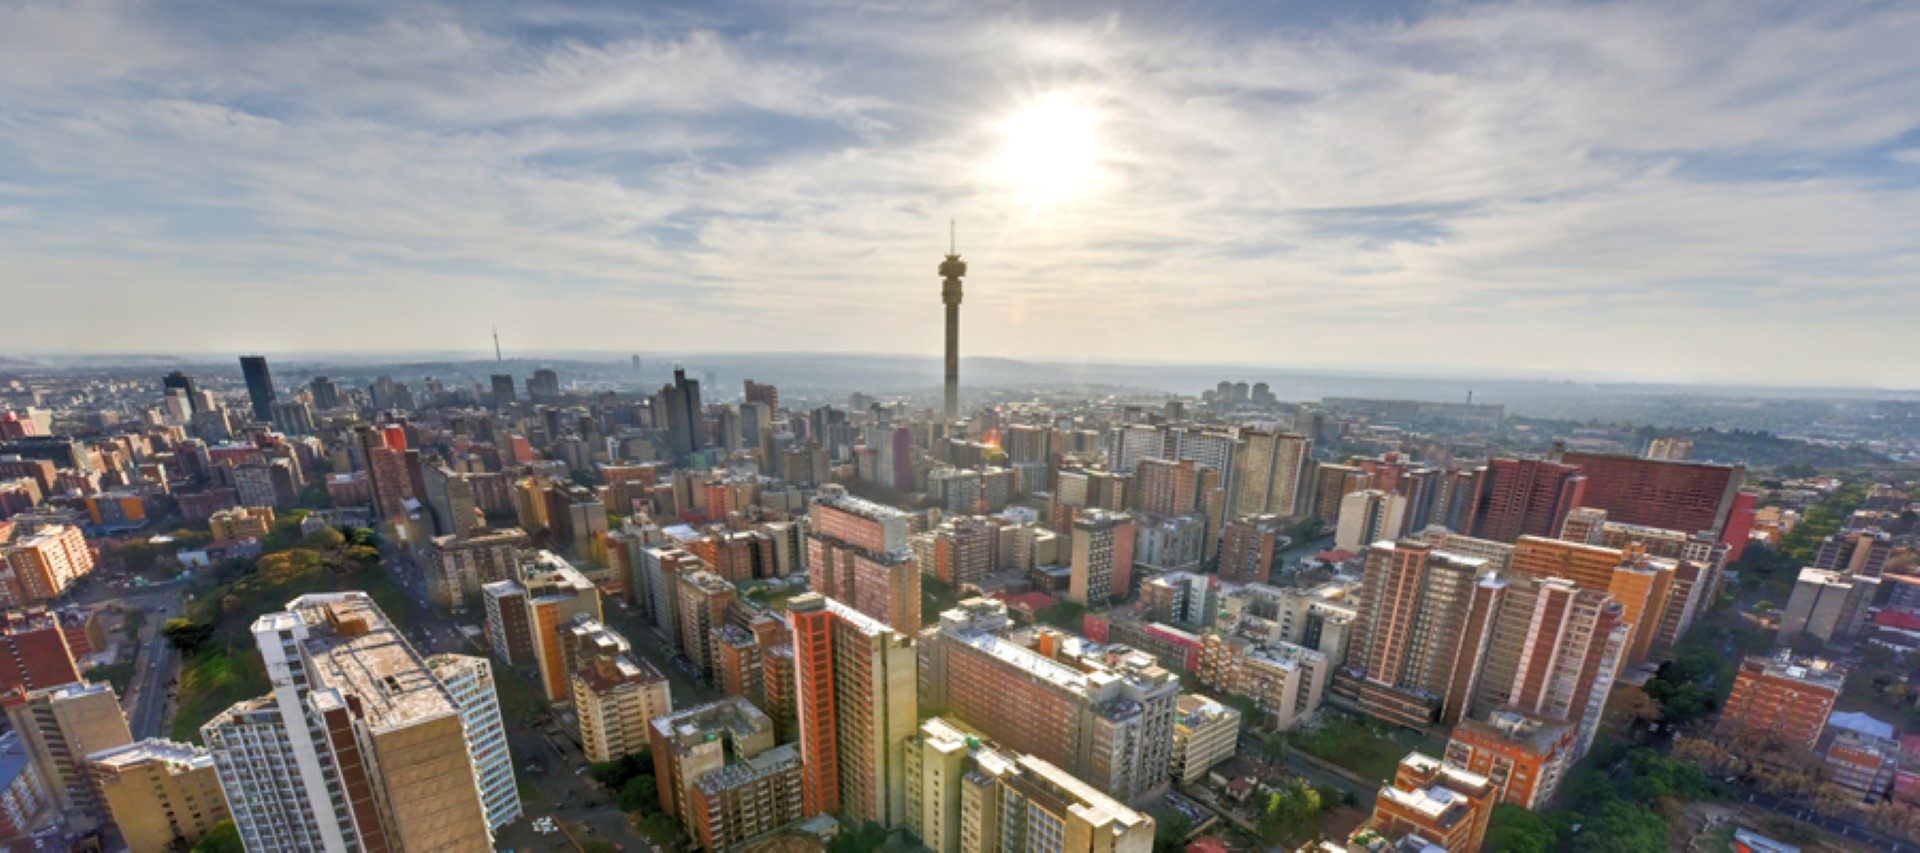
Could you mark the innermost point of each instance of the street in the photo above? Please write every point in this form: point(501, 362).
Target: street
point(1835, 825)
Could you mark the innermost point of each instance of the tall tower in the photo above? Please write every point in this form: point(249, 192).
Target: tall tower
point(952, 269)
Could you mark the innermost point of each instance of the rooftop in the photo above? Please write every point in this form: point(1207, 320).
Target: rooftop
point(151, 749)
point(356, 651)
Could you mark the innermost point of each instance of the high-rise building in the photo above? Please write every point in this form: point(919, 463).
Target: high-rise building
point(1523, 755)
point(1101, 566)
point(159, 793)
point(1421, 625)
point(1641, 585)
point(59, 727)
point(858, 555)
point(856, 702)
point(681, 414)
point(1524, 497)
point(723, 776)
point(1332, 484)
point(1690, 497)
point(457, 567)
point(469, 681)
point(1167, 487)
point(1205, 733)
point(1782, 700)
point(965, 549)
point(503, 392)
point(705, 599)
point(543, 386)
point(1435, 802)
point(1108, 722)
point(360, 745)
point(1553, 652)
point(508, 633)
point(615, 697)
point(1022, 802)
point(34, 652)
point(177, 381)
point(259, 386)
point(1860, 552)
point(1827, 605)
point(1249, 546)
point(765, 395)
point(326, 393)
point(1368, 516)
point(42, 564)
point(556, 595)
point(1272, 471)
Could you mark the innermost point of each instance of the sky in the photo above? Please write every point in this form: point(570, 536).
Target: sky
point(1700, 191)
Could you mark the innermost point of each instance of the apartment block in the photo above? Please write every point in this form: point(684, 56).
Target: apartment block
point(1525, 756)
point(1101, 567)
point(1434, 802)
point(614, 699)
point(1205, 733)
point(360, 745)
point(469, 681)
point(39, 566)
point(721, 773)
point(856, 703)
point(1420, 627)
point(1109, 721)
point(1782, 699)
point(159, 793)
point(59, 727)
point(858, 555)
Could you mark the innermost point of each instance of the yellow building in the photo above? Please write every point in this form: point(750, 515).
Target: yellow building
point(614, 699)
point(159, 792)
point(232, 525)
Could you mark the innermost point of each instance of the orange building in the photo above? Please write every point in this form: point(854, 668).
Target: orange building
point(1523, 755)
point(41, 565)
point(1780, 698)
point(856, 704)
point(1641, 585)
point(1437, 802)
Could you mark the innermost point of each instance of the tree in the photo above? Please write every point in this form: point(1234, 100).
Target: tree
point(1289, 810)
point(326, 539)
point(1170, 830)
point(1517, 830)
point(641, 793)
point(223, 838)
point(186, 635)
point(1274, 746)
point(868, 837)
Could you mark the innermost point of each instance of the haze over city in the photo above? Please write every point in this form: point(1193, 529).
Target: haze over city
point(1710, 191)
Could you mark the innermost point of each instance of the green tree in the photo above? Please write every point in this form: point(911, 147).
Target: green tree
point(186, 635)
point(1517, 830)
point(1289, 810)
point(1170, 830)
point(326, 539)
point(223, 838)
point(865, 839)
point(641, 793)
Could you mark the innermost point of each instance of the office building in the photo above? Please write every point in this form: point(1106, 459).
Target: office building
point(1101, 564)
point(359, 746)
point(1109, 722)
point(259, 386)
point(59, 727)
point(1435, 802)
point(1523, 755)
point(856, 704)
point(159, 793)
point(1205, 733)
point(1782, 700)
point(614, 699)
point(1827, 605)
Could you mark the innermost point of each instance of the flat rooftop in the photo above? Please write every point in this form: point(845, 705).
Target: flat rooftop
point(355, 650)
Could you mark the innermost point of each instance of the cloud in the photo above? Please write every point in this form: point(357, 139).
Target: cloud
point(1674, 191)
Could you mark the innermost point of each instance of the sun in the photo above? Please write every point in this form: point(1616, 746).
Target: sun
point(1050, 150)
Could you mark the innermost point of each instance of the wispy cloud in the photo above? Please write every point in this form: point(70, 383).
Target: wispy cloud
point(1687, 191)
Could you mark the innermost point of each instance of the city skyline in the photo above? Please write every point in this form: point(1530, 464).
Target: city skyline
point(1551, 182)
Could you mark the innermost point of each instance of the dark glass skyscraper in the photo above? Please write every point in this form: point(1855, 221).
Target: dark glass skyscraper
point(259, 386)
point(177, 381)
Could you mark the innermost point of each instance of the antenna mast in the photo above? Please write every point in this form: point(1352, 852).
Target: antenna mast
point(496, 344)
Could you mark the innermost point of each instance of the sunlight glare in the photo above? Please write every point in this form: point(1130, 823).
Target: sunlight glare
point(1050, 150)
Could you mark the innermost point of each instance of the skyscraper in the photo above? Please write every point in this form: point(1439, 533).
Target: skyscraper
point(952, 270)
point(177, 381)
point(259, 386)
point(857, 554)
point(360, 746)
point(1422, 622)
point(857, 703)
point(680, 410)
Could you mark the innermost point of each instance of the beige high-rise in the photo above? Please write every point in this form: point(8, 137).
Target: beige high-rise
point(59, 726)
point(159, 792)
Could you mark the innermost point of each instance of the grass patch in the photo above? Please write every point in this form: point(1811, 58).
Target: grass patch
point(116, 674)
point(210, 682)
point(1372, 751)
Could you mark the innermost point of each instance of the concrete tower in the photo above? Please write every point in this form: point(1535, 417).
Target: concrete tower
point(952, 269)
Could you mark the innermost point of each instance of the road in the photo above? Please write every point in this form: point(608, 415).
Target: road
point(155, 664)
point(1842, 828)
